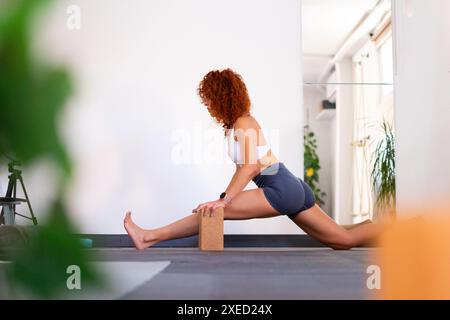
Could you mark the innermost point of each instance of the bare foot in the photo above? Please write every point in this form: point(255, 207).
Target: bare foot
point(142, 239)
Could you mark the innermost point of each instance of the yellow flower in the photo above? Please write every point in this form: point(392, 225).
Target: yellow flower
point(309, 172)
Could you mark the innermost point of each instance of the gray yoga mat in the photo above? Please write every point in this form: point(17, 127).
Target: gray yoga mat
point(14, 238)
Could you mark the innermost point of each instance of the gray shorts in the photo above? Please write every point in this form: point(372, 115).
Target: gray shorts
point(286, 193)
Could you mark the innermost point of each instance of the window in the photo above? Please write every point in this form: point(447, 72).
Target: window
point(386, 64)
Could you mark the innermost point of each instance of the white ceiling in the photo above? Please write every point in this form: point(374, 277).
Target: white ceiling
point(326, 25)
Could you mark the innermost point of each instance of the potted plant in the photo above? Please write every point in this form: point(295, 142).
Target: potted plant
point(312, 165)
point(383, 173)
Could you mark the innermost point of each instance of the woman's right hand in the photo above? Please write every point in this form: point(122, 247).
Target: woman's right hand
point(210, 206)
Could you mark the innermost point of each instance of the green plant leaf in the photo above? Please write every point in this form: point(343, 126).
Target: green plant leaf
point(383, 170)
point(32, 95)
point(311, 161)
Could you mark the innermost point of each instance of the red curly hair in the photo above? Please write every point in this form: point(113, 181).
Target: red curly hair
point(225, 94)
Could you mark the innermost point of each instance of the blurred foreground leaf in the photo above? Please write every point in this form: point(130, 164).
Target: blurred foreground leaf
point(41, 269)
point(32, 95)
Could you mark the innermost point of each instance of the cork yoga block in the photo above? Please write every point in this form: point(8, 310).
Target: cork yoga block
point(210, 236)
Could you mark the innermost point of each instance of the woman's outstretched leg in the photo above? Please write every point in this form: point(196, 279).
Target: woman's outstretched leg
point(352, 226)
point(320, 226)
point(249, 204)
point(367, 233)
point(143, 238)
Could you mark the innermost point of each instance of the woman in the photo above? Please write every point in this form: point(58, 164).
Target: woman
point(279, 192)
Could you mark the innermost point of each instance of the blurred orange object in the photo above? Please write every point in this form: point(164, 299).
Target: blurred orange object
point(414, 257)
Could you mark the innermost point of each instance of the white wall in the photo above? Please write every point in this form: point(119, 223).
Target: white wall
point(313, 98)
point(136, 67)
point(422, 101)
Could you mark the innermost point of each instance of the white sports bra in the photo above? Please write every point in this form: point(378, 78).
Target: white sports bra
point(234, 149)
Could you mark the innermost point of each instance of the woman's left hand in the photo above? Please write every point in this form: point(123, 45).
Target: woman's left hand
point(210, 206)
